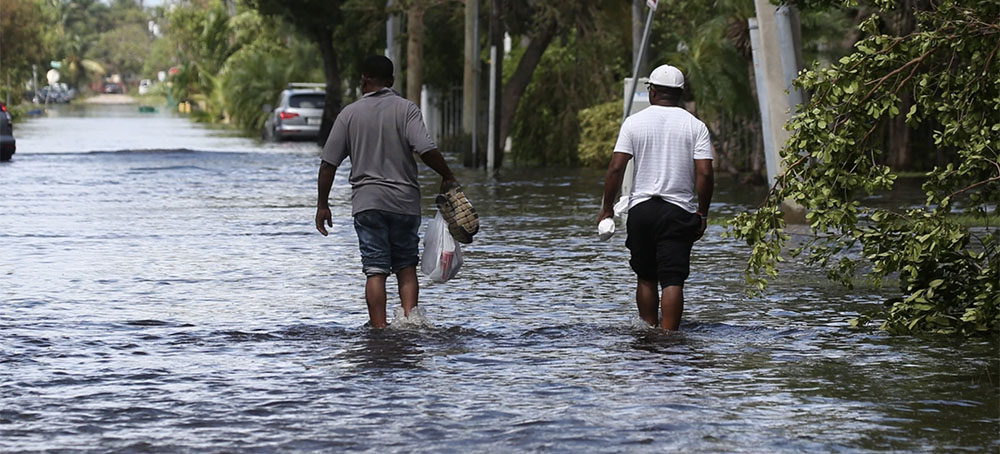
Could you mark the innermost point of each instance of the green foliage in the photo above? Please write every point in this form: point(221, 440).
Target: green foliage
point(202, 42)
point(598, 133)
point(22, 22)
point(716, 70)
point(256, 74)
point(356, 38)
point(124, 48)
point(444, 27)
point(577, 70)
point(549, 101)
point(93, 37)
point(125, 44)
point(948, 273)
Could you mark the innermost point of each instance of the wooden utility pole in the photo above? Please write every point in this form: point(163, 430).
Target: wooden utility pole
point(470, 82)
point(393, 52)
point(496, 85)
point(415, 51)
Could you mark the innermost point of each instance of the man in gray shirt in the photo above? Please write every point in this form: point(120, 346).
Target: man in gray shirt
point(380, 133)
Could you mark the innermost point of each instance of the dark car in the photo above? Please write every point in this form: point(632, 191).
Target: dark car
point(113, 88)
point(298, 113)
point(7, 145)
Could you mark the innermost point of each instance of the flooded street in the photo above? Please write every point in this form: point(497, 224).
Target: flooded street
point(164, 289)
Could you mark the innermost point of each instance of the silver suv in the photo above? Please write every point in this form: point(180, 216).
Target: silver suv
point(298, 113)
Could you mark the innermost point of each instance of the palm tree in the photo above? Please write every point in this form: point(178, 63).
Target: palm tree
point(75, 66)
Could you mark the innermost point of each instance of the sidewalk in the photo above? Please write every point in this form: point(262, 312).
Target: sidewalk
point(110, 99)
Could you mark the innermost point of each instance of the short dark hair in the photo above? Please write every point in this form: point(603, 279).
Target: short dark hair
point(671, 93)
point(377, 67)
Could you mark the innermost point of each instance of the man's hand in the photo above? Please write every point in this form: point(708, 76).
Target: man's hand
point(325, 182)
point(606, 212)
point(435, 160)
point(704, 226)
point(446, 183)
point(323, 216)
point(612, 183)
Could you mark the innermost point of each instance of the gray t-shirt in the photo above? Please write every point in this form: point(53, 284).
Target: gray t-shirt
point(380, 132)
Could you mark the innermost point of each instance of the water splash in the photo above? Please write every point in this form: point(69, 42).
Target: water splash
point(416, 320)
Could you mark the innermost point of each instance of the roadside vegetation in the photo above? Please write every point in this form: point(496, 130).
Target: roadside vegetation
point(896, 88)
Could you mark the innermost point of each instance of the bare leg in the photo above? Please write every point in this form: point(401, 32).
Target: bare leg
point(375, 297)
point(648, 301)
point(409, 288)
point(673, 305)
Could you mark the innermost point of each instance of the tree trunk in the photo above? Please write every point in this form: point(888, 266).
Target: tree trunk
point(899, 137)
point(334, 95)
point(471, 66)
point(519, 81)
point(415, 51)
point(898, 145)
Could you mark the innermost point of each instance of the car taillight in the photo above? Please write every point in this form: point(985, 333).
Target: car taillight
point(3, 107)
point(287, 115)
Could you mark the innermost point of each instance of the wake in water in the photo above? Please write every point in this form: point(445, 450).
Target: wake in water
point(416, 320)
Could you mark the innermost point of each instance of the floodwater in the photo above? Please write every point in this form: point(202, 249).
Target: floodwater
point(163, 289)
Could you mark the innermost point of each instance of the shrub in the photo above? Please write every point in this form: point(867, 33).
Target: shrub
point(598, 132)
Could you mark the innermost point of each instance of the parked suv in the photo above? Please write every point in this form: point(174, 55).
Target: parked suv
point(298, 113)
point(7, 145)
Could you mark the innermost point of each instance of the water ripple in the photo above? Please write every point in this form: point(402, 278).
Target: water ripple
point(179, 301)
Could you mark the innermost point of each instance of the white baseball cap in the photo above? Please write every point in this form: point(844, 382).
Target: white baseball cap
point(667, 76)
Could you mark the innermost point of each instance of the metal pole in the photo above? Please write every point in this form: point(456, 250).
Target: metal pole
point(638, 63)
point(628, 178)
point(475, 84)
point(490, 146)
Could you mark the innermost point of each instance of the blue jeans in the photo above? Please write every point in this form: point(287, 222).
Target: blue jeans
point(388, 241)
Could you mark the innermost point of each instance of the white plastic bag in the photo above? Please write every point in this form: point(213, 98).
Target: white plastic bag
point(442, 255)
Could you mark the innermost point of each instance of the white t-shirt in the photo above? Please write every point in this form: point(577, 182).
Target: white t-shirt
point(664, 142)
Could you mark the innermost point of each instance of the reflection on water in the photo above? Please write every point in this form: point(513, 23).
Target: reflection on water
point(180, 301)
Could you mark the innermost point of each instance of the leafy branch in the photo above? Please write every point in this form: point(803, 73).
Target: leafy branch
point(949, 279)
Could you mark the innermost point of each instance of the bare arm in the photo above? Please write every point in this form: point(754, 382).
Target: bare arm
point(704, 185)
point(436, 161)
point(326, 173)
point(612, 182)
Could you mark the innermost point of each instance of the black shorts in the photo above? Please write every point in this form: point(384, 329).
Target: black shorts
point(660, 236)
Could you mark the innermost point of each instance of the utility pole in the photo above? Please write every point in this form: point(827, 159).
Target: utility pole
point(392, 50)
point(777, 53)
point(470, 82)
point(414, 51)
point(496, 85)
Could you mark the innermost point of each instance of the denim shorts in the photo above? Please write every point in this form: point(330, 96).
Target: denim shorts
point(388, 241)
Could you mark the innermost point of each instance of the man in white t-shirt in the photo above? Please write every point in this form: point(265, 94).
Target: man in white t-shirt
point(671, 193)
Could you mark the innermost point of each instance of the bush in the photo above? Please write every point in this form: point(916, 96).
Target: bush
point(254, 78)
point(598, 132)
